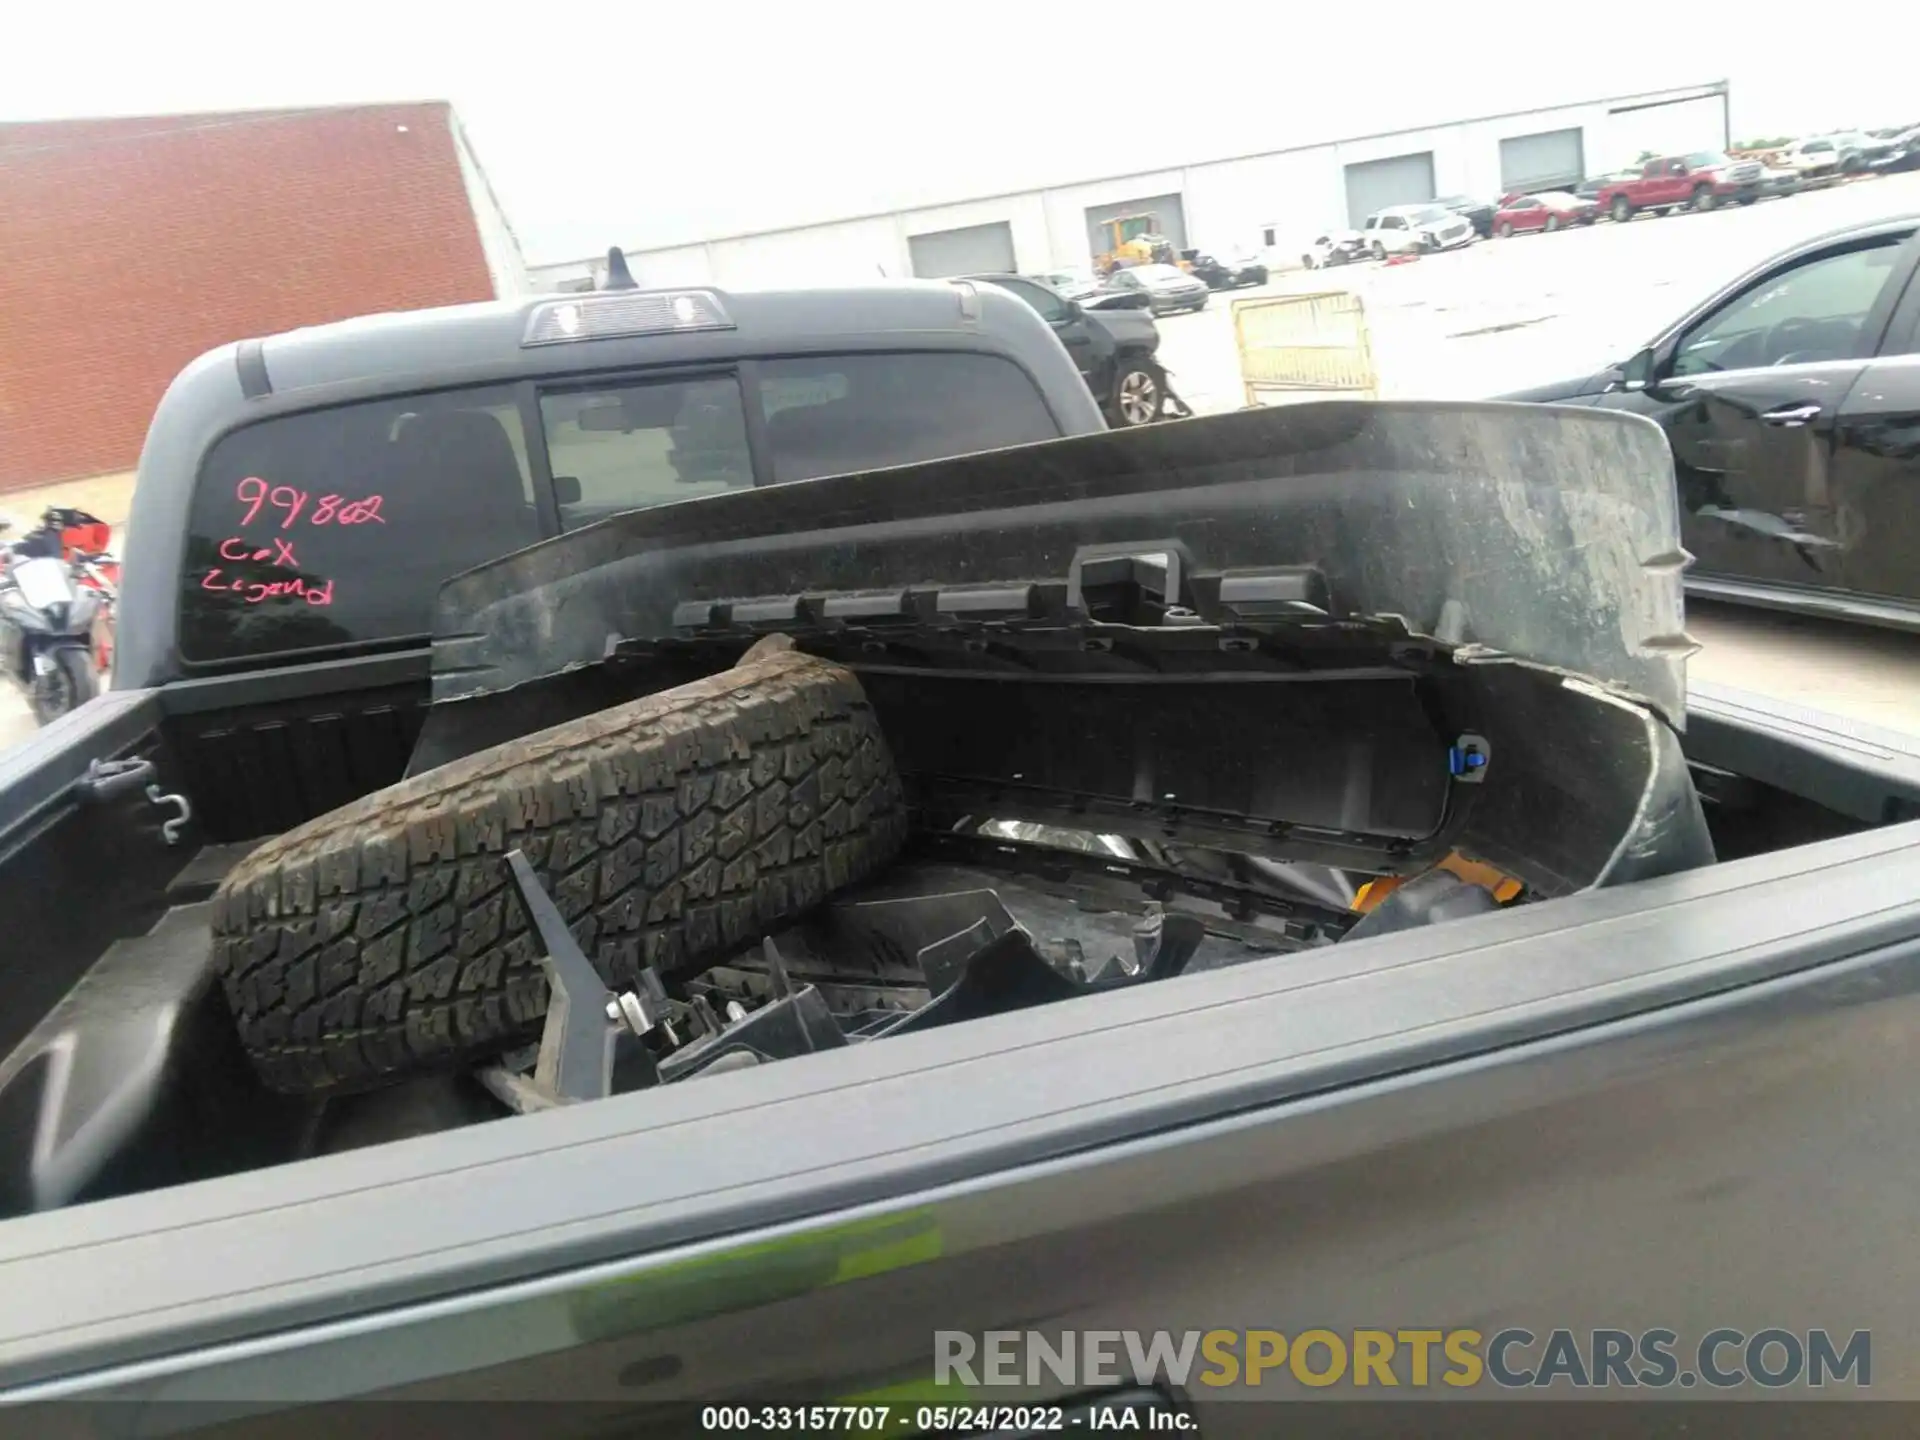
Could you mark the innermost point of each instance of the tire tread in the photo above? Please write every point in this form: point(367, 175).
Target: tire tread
point(385, 937)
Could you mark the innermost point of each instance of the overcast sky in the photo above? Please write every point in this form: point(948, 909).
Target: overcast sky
point(644, 124)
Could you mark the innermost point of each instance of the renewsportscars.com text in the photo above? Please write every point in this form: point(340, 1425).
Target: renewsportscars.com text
point(1722, 1359)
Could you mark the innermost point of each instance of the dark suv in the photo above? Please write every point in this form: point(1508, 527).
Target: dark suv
point(1114, 347)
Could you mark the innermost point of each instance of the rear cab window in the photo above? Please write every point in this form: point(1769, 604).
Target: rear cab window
point(834, 415)
point(634, 444)
point(335, 528)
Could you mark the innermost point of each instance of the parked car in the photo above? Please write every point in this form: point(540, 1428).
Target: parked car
point(1478, 213)
point(1898, 150)
point(1814, 158)
point(1231, 274)
point(1857, 150)
point(1073, 284)
point(1590, 188)
point(1698, 181)
point(1415, 229)
point(1114, 349)
point(1791, 399)
point(1334, 247)
point(1549, 210)
point(1167, 287)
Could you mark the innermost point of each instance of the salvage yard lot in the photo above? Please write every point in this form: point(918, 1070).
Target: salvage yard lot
point(1502, 314)
point(1508, 313)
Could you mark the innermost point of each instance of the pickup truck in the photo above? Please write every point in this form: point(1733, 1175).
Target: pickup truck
point(1261, 874)
point(1698, 181)
point(1113, 341)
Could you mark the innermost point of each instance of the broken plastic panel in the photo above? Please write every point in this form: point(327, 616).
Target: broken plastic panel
point(1528, 534)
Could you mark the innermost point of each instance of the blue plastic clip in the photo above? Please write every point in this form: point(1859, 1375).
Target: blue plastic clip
point(1463, 761)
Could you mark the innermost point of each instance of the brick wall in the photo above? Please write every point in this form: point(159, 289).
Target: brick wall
point(127, 247)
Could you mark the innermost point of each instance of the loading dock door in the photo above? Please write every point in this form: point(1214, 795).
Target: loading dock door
point(976, 250)
point(1376, 184)
point(1550, 160)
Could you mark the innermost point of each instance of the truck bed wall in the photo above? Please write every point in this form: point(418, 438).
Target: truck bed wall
point(75, 877)
point(252, 754)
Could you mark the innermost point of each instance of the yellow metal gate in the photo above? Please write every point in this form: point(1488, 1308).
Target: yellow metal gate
point(1304, 345)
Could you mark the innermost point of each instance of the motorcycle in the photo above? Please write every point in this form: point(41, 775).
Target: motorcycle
point(58, 588)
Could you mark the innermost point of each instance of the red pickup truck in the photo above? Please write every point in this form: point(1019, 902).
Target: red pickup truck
point(1699, 182)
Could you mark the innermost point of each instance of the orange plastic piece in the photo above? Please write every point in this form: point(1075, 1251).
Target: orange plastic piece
point(1475, 872)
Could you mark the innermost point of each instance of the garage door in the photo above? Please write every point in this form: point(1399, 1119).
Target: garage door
point(1550, 160)
point(976, 250)
point(1166, 211)
point(1376, 184)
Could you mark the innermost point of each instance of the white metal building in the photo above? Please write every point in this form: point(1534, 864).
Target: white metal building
point(1273, 200)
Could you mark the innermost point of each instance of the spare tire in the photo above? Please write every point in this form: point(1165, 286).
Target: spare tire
point(385, 937)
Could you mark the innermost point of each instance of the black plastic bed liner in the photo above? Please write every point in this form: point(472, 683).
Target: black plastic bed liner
point(101, 1095)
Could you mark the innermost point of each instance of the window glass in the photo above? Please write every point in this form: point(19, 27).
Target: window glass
point(337, 527)
point(636, 444)
point(1811, 312)
point(1050, 305)
point(830, 415)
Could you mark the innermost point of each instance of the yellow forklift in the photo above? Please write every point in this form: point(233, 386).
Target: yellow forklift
point(1136, 240)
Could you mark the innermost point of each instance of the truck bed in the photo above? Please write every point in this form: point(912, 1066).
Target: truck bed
point(126, 1073)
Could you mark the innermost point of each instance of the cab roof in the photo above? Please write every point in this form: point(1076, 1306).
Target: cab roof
point(423, 346)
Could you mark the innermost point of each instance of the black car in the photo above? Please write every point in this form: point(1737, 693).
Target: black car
point(1225, 274)
point(1791, 399)
point(1112, 339)
point(1478, 212)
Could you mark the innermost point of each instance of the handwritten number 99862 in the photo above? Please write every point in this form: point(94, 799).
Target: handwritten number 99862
point(290, 504)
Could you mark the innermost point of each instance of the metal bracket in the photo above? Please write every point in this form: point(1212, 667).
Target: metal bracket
point(798, 1023)
point(593, 1044)
point(170, 829)
point(106, 779)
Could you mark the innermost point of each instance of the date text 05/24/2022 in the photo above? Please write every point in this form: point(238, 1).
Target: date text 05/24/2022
point(910, 1420)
